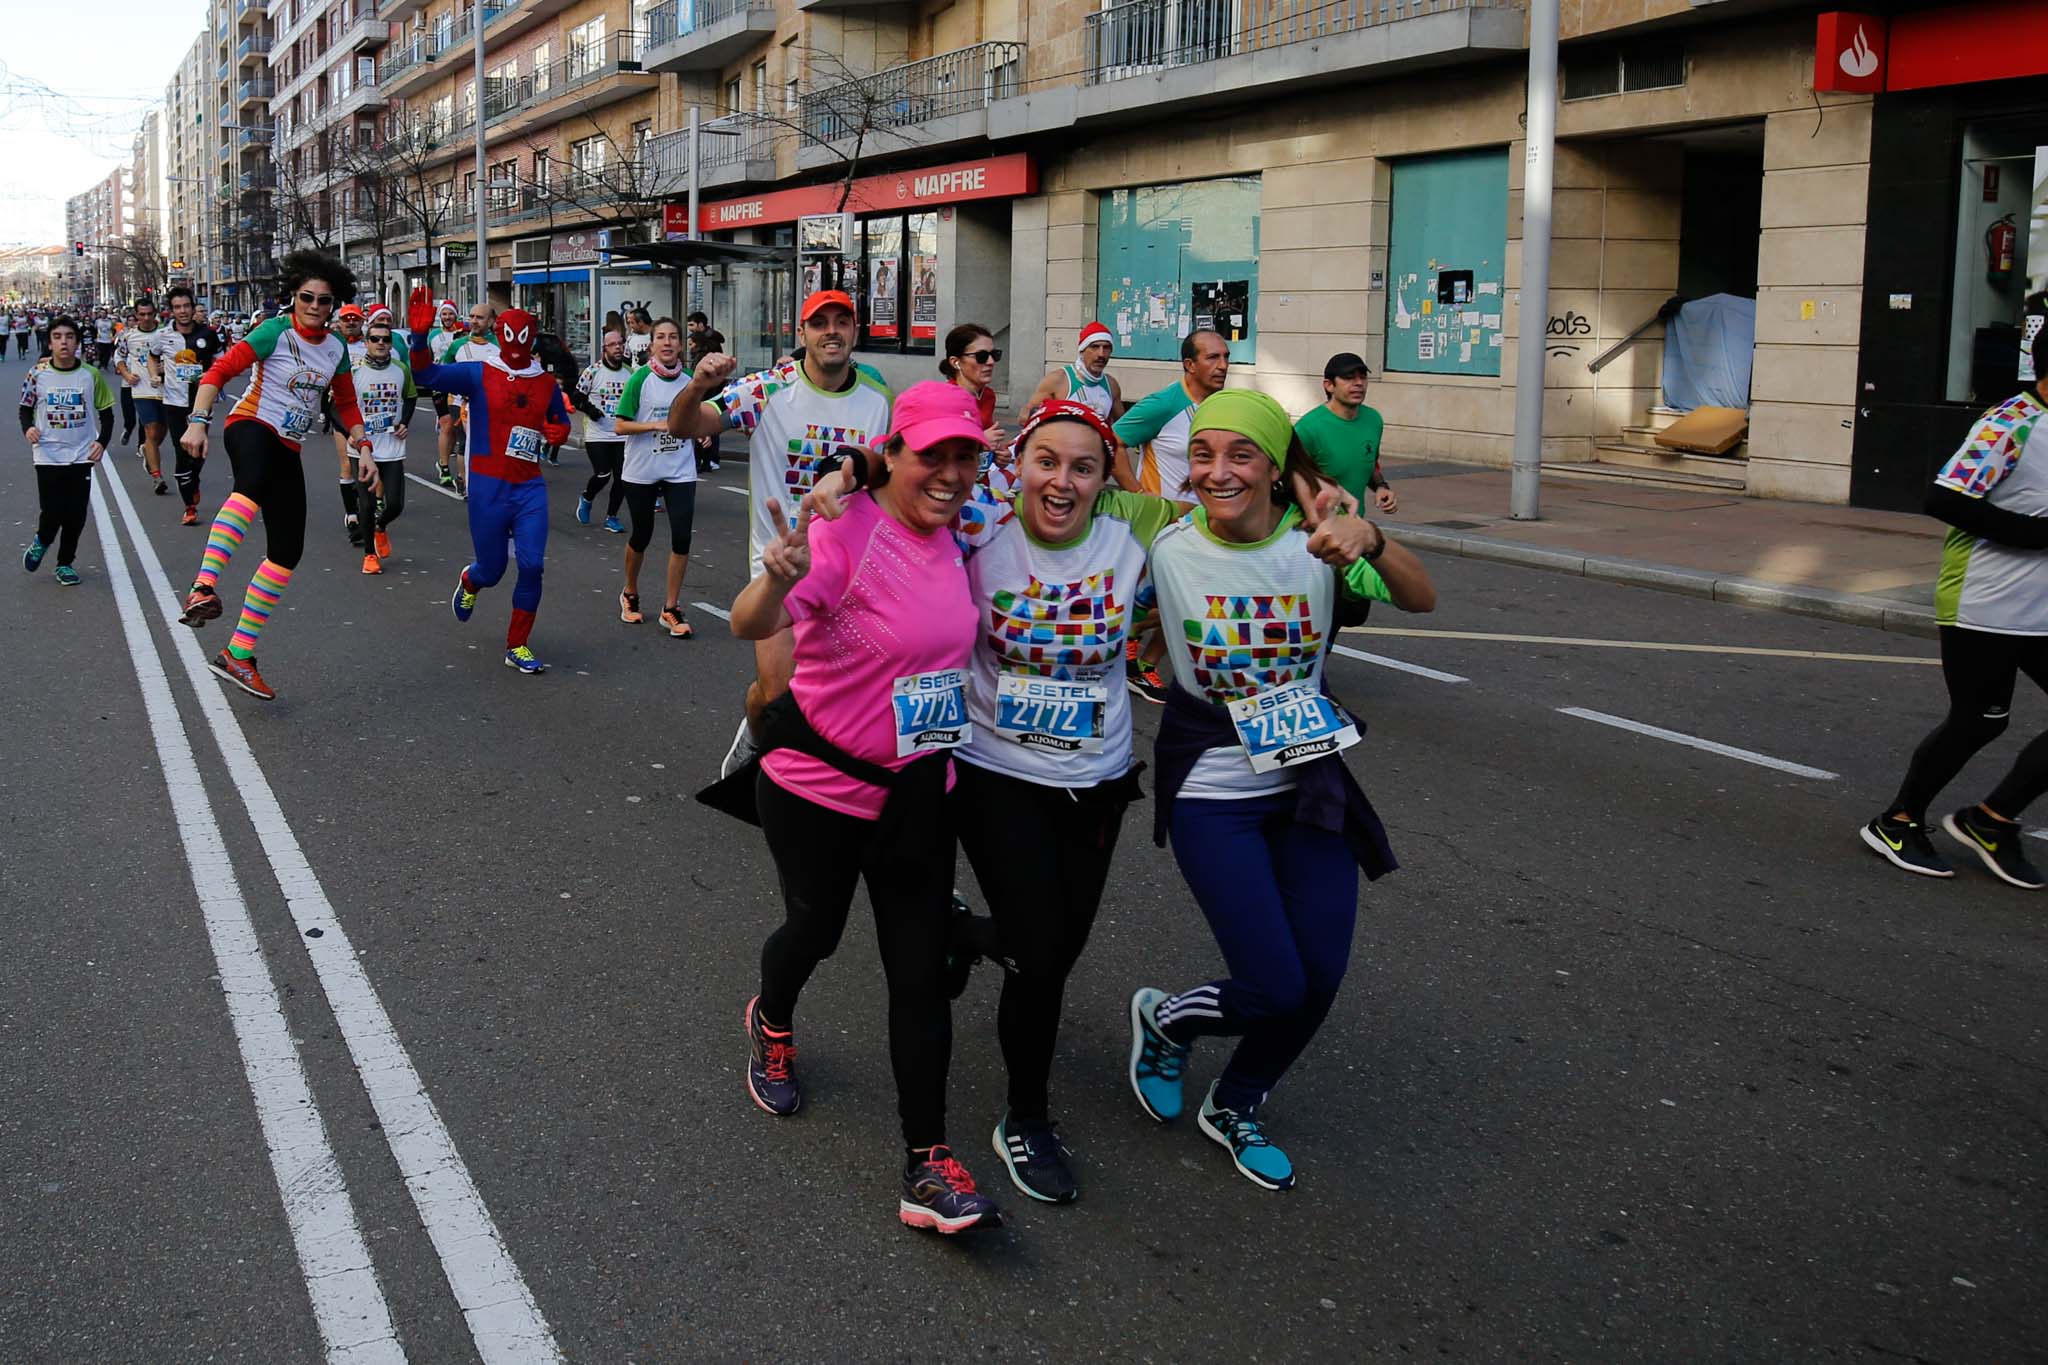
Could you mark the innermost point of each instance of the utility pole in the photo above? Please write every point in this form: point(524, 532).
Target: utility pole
point(696, 149)
point(483, 190)
point(1534, 313)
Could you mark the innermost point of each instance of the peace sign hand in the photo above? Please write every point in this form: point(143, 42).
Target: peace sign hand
point(787, 558)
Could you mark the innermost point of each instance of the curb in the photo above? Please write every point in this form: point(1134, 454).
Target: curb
point(1854, 609)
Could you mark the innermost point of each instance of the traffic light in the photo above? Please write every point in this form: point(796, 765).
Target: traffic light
point(78, 248)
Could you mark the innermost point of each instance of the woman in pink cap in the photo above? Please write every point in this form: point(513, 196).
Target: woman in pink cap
point(856, 761)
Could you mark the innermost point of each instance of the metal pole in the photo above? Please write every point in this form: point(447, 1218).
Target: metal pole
point(696, 147)
point(1534, 310)
point(483, 293)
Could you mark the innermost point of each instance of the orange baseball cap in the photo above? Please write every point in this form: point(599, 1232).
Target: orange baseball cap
point(825, 298)
point(349, 310)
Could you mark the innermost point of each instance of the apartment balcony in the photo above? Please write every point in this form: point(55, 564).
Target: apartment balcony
point(367, 31)
point(255, 136)
point(248, 12)
point(735, 149)
point(705, 35)
point(1157, 57)
point(256, 181)
point(254, 91)
point(368, 95)
point(222, 73)
point(425, 57)
point(397, 11)
point(933, 103)
point(586, 78)
point(251, 48)
point(525, 14)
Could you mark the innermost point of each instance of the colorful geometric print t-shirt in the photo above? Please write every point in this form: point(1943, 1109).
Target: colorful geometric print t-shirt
point(881, 602)
point(381, 391)
point(794, 424)
point(1244, 619)
point(1984, 585)
point(67, 407)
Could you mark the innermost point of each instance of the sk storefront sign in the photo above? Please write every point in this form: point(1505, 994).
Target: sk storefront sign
point(997, 177)
point(1848, 53)
point(1991, 40)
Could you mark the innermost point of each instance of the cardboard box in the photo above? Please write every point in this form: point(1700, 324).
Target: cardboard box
point(1706, 431)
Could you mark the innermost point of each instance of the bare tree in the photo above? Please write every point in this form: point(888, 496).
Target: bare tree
point(419, 202)
point(302, 216)
point(147, 268)
point(369, 167)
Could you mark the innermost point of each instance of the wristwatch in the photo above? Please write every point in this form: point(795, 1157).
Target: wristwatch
point(1372, 556)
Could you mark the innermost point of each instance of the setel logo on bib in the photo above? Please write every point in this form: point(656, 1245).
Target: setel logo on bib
point(1289, 725)
point(930, 711)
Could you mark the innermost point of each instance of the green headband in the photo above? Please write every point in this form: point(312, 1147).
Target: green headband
point(1248, 413)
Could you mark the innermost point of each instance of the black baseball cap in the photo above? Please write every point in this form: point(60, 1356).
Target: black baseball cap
point(1345, 363)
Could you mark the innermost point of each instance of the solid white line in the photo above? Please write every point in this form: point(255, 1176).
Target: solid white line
point(1692, 742)
point(730, 489)
point(720, 612)
point(348, 1304)
point(504, 1321)
point(1416, 633)
point(434, 486)
point(1384, 662)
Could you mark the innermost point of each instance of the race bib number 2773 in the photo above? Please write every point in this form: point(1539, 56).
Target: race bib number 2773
point(930, 711)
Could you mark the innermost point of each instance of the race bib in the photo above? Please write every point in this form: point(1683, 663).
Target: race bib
point(524, 443)
point(298, 424)
point(187, 375)
point(1044, 713)
point(1290, 725)
point(930, 711)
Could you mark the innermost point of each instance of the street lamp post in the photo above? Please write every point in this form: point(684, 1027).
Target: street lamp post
point(483, 255)
point(1533, 310)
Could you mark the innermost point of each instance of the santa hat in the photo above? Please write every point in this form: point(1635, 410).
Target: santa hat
point(1091, 334)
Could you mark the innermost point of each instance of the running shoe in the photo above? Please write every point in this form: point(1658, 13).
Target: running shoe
point(1146, 683)
point(128, 435)
point(462, 601)
point(1156, 1060)
point(32, 557)
point(525, 660)
point(1904, 844)
point(939, 1194)
point(629, 608)
point(711, 464)
point(370, 564)
point(161, 487)
point(1254, 1156)
point(678, 627)
point(68, 576)
point(615, 526)
point(242, 673)
point(659, 505)
point(1036, 1159)
point(354, 529)
point(583, 511)
point(1997, 843)
point(741, 751)
point(191, 517)
point(447, 476)
point(771, 1064)
point(554, 455)
point(202, 604)
point(383, 544)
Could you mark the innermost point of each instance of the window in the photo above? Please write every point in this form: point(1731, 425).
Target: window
point(543, 68)
point(1446, 251)
point(468, 105)
point(897, 288)
point(791, 72)
point(761, 87)
point(643, 136)
point(440, 118)
point(1597, 69)
point(543, 171)
point(584, 49)
point(732, 97)
point(1171, 258)
point(2000, 296)
point(586, 164)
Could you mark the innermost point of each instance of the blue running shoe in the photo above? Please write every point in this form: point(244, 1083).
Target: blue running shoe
point(583, 511)
point(1240, 1130)
point(771, 1064)
point(522, 658)
point(939, 1194)
point(462, 601)
point(32, 557)
point(615, 526)
point(1156, 1060)
point(68, 576)
point(1036, 1159)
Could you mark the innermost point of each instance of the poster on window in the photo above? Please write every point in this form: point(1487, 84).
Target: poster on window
point(882, 298)
point(924, 297)
point(2034, 309)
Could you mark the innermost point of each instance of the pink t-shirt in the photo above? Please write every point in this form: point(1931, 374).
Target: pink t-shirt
point(881, 602)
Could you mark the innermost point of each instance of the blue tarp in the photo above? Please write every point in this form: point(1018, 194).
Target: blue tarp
point(1707, 350)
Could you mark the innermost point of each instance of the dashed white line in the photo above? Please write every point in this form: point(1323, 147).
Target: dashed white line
point(1694, 742)
point(433, 486)
point(730, 489)
point(720, 612)
point(504, 1321)
point(1384, 662)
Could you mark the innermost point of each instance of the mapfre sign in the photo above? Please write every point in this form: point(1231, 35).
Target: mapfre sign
point(995, 177)
point(1849, 52)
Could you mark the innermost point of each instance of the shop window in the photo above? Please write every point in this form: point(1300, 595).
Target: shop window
point(1174, 258)
point(1595, 69)
point(2001, 262)
point(1446, 263)
point(897, 286)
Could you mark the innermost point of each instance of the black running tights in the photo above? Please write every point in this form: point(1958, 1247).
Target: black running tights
point(1980, 669)
point(607, 458)
point(65, 492)
point(270, 474)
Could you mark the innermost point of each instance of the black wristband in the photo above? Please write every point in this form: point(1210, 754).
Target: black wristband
point(1372, 556)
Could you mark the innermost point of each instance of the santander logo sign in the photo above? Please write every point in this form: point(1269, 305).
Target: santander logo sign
point(1859, 59)
point(1849, 52)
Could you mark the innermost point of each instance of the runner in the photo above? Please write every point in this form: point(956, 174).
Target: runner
point(970, 362)
point(658, 468)
point(295, 360)
point(883, 630)
point(1267, 823)
point(596, 396)
point(348, 320)
point(514, 408)
point(103, 338)
point(67, 416)
point(639, 336)
point(18, 323)
point(798, 416)
point(1087, 380)
point(1991, 607)
point(386, 396)
point(460, 348)
point(184, 351)
point(1343, 435)
point(131, 362)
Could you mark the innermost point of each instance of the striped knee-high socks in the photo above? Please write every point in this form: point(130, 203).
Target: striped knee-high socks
point(226, 537)
point(264, 591)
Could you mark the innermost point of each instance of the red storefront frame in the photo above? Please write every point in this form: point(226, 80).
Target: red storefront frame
point(995, 177)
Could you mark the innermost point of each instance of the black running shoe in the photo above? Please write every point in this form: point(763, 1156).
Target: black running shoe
point(771, 1064)
point(1905, 845)
point(1036, 1159)
point(1147, 684)
point(939, 1194)
point(354, 529)
point(1997, 843)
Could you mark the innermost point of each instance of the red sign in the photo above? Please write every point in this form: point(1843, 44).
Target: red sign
point(1992, 40)
point(996, 177)
point(1849, 52)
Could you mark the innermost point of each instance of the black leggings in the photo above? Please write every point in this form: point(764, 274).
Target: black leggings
point(127, 410)
point(819, 856)
point(681, 501)
point(391, 506)
point(269, 473)
point(65, 492)
point(606, 459)
point(187, 468)
point(1044, 904)
point(1980, 669)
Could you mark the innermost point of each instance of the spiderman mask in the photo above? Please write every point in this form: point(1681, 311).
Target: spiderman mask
point(516, 331)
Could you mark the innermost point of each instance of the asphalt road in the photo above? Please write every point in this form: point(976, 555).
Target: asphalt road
point(1642, 1056)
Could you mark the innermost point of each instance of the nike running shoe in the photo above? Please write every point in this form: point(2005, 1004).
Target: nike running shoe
point(1146, 683)
point(525, 660)
point(383, 544)
point(939, 1194)
point(678, 627)
point(202, 604)
point(1036, 1159)
point(629, 608)
point(583, 511)
point(447, 477)
point(68, 576)
point(242, 673)
point(615, 526)
point(1997, 842)
point(1254, 1156)
point(462, 601)
point(370, 564)
point(191, 517)
point(771, 1064)
point(32, 557)
point(1904, 844)
point(741, 751)
point(354, 529)
point(1156, 1060)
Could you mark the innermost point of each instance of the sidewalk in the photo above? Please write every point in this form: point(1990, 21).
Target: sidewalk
point(1845, 564)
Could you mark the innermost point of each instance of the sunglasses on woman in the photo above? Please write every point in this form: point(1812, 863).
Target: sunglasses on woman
point(982, 357)
point(316, 300)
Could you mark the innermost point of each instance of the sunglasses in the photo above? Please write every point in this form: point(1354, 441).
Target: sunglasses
point(316, 300)
point(982, 357)
point(377, 339)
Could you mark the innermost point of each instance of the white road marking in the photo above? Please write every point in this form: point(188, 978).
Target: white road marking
point(504, 1321)
point(348, 1304)
point(1666, 646)
point(1384, 662)
point(1694, 742)
point(433, 486)
point(720, 612)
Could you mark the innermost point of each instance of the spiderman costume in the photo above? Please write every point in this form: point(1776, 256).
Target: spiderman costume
point(515, 413)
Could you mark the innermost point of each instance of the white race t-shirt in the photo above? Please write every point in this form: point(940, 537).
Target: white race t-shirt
point(794, 424)
point(67, 407)
point(602, 384)
point(655, 456)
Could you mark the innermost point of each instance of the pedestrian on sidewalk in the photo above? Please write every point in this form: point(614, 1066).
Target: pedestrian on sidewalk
point(1991, 604)
point(1343, 435)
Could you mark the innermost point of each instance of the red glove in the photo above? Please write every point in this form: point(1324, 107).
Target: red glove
point(419, 311)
